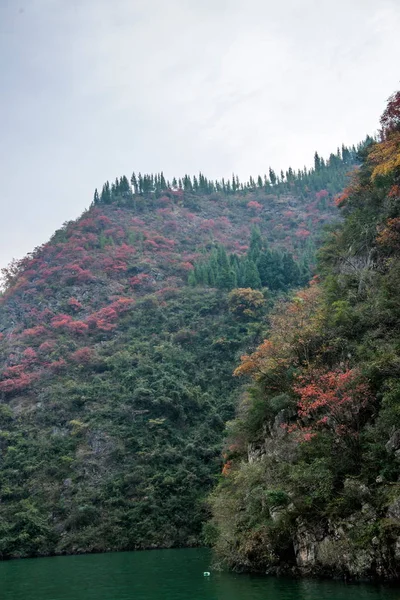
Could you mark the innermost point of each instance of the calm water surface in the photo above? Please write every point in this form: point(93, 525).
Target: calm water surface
point(160, 575)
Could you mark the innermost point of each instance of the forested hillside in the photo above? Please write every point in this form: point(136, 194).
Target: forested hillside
point(118, 339)
point(310, 483)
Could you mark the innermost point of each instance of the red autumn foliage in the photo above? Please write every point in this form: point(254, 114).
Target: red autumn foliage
point(253, 205)
point(60, 321)
point(77, 327)
point(34, 331)
point(187, 266)
point(389, 235)
point(394, 191)
point(335, 400)
point(226, 468)
point(47, 346)
point(151, 244)
point(74, 304)
point(29, 355)
point(14, 371)
point(390, 119)
point(122, 304)
point(104, 319)
point(207, 224)
point(322, 194)
point(139, 280)
point(302, 233)
point(19, 383)
point(58, 365)
point(102, 221)
point(137, 221)
point(82, 355)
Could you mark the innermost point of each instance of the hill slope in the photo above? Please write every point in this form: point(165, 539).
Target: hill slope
point(118, 340)
point(311, 479)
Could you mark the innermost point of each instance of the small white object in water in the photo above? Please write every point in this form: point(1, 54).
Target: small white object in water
point(206, 574)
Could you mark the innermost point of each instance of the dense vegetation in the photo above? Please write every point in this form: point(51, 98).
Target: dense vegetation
point(118, 340)
point(312, 461)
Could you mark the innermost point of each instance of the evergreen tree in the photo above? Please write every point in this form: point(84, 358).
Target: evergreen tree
point(134, 183)
point(192, 281)
point(255, 244)
point(290, 271)
point(272, 176)
point(124, 187)
point(163, 184)
point(251, 275)
point(270, 269)
point(105, 197)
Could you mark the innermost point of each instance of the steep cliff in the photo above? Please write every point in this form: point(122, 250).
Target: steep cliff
point(311, 482)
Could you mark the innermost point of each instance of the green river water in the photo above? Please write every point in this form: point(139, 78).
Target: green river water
point(161, 575)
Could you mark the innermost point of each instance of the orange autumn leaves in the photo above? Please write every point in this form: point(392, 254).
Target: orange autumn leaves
point(332, 400)
point(293, 327)
point(289, 361)
point(385, 156)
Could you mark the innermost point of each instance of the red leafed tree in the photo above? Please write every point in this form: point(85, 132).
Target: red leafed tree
point(78, 327)
point(104, 319)
point(302, 233)
point(187, 266)
point(19, 383)
point(389, 235)
point(253, 205)
point(14, 371)
point(83, 355)
point(58, 365)
point(122, 304)
point(336, 400)
point(390, 119)
point(29, 355)
point(34, 331)
point(139, 280)
point(47, 346)
point(226, 468)
point(321, 194)
point(74, 304)
point(60, 321)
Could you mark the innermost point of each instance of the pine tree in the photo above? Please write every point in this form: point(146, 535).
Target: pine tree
point(291, 271)
point(255, 244)
point(192, 281)
point(251, 275)
point(270, 270)
point(134, 183)
point(272, 176)
point(124, 187)
point(105, 197)
point(163, 184)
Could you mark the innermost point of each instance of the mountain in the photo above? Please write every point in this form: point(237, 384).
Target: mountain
point(118, 341)
point(311, 477)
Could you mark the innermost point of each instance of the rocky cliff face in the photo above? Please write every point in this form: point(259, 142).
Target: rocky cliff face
point(364, 546)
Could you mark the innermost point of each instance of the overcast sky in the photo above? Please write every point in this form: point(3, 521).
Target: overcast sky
point(91, 89)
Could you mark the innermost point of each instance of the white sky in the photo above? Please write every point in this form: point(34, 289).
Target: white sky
point(92, 89)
